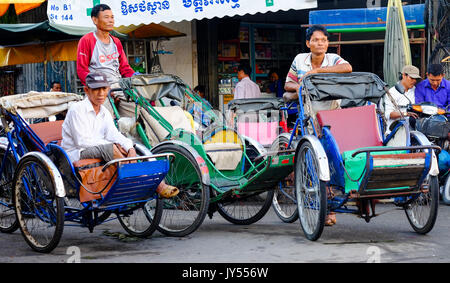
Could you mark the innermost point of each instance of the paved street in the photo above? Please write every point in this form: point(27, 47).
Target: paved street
point(387, 238)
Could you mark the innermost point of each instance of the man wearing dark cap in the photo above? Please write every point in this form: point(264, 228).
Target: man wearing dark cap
point(89, 131)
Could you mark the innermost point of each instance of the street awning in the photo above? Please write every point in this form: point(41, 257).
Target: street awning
point(41, 42)
point(137, 12)
point(21, 6)
point(38, 53)
point(17, 34)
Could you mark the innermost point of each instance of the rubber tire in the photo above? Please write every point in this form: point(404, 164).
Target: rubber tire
point(446, 191)
point(294, 216)
point(15, 225)
point(247, 221)
point(322, 200)
point(434, 192)
point(205, 191)
point(154, 221)
point(58, 203)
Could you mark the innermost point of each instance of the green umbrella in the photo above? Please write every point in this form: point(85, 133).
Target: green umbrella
point(397, 52)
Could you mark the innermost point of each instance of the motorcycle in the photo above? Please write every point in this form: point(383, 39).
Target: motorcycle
point(432, 121)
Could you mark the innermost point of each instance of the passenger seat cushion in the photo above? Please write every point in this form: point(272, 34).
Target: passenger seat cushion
point(355, 166)
point(176, 117)
point(225, 156)
point(352, 128)
point(49, 131)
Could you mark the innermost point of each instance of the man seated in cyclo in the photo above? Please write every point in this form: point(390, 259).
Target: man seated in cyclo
point(317, 61)
point(410, 75)
point(89, 132)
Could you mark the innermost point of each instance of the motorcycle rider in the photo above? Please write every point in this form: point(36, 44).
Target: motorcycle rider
point(435, 88)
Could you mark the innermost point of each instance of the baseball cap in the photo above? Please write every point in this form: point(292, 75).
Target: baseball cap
point(96, 80)
point(411, 71)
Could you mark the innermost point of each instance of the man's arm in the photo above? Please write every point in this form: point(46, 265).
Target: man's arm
point(291, 86)
point(113, 135)
point(340, 68)
point(84, 54)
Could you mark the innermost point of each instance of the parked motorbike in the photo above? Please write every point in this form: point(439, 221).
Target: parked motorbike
point(434, 124)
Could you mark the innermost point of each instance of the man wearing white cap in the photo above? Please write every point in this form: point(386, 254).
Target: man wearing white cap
point(410, 75)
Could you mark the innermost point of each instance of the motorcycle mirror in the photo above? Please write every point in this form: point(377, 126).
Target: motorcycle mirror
point(400, 88)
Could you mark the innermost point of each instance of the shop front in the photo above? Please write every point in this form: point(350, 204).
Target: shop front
point(270, 41)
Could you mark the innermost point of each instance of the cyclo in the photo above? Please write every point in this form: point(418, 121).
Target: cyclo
point(342, 158)
point(215, 168)
point(41, 189)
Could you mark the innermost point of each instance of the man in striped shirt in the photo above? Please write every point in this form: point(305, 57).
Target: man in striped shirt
point(317, 61)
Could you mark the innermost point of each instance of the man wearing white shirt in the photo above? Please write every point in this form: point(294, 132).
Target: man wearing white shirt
point(317, 61)
point(246, 88)
point(89, 131)
point(410, 75)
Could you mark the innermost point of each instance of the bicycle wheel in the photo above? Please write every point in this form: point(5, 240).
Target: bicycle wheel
point(8, 219)
point(184, 213)
point(247, 210)
point(284, 200)
point(138, 222)
point(40, 212)
point(311, 192)
point(422, 210)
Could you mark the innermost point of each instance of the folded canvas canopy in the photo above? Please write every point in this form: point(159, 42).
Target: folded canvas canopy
point(39, 104)
point(255, 104)
point(353, 88)
point(155, 87)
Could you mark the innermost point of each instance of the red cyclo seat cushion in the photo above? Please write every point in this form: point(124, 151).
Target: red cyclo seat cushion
point(49, 131)
point(352, 128)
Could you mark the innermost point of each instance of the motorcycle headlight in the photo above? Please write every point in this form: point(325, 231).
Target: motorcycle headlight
point(429, 110)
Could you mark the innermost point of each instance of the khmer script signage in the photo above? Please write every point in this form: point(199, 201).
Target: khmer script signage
point(135, 12)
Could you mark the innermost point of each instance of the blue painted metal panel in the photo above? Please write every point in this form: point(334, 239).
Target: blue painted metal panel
point(375, 16)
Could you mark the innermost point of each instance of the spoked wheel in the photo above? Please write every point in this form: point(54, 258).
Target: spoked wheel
point(8, 220)
point(40, 212)
point(247, 210)
point(310, 191)
point(139, 222)
point(184, 213)
point(421, 210)
point(284, 200)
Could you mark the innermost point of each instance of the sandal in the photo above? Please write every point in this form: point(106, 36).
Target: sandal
point(168, 191)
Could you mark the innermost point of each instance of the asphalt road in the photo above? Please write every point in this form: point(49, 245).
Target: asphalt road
point(387, 238)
